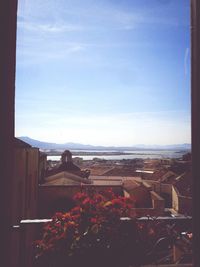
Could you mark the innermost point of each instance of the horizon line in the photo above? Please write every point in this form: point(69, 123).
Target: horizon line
point(78, 143)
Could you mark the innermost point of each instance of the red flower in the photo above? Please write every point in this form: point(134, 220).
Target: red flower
point(76, 210)
point(95, 213)
point(94, 220)
point(79, 197)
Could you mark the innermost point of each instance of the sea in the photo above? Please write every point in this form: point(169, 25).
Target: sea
point(144, 154)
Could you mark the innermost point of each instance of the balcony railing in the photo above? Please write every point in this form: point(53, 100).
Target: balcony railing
point(163, 253)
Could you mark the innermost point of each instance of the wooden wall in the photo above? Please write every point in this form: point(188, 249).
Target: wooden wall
point(25, 184)
point(24, 204)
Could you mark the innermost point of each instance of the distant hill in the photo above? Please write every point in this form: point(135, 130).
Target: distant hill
point(46, 145)
point(74, 146)
point(185, 146)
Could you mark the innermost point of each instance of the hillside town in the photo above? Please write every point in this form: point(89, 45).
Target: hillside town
point(161, 188)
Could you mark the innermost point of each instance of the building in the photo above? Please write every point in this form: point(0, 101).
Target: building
point(182, 194)
point(67, 165)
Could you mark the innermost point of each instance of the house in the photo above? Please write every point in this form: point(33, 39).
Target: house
point(182, 194)
point(65, 178)
point(67, 165)
point(164, 175)
point(148, 202)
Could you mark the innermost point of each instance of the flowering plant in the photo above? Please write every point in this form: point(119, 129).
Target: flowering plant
point(93, 227)
point(96, 233)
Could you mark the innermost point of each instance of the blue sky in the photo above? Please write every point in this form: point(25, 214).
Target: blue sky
point(104, 72)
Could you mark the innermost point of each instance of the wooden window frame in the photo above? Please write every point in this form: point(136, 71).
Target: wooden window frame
point(8, 18)
point(195, 112)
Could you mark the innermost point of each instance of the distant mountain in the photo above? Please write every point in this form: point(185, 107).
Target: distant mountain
point(74, 146)
point(46, 145)
point(185, 146)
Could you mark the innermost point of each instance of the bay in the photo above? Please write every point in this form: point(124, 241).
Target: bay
point(144, 154)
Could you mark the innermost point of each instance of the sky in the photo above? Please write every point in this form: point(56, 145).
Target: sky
point(104, 72)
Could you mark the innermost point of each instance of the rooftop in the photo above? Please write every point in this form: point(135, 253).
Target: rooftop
point(65, 178)
point(183, 184)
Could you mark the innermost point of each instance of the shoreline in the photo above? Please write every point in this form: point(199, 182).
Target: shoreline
point(118, 153)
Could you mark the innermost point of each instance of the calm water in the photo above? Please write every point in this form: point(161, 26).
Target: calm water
point(156, 154)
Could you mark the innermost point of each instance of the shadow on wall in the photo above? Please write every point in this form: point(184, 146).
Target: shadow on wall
point(60, 198)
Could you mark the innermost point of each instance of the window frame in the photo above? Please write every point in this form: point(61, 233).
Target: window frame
point(8, 24)
point(8, 19)
point(195, 113)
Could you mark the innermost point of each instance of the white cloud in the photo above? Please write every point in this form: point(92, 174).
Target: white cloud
point(49, 31)
point(48, 27)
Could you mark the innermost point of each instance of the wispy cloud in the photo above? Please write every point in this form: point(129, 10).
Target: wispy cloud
point(105, 16)
point(33, 51)
point(48, 28)
point(107, 59)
